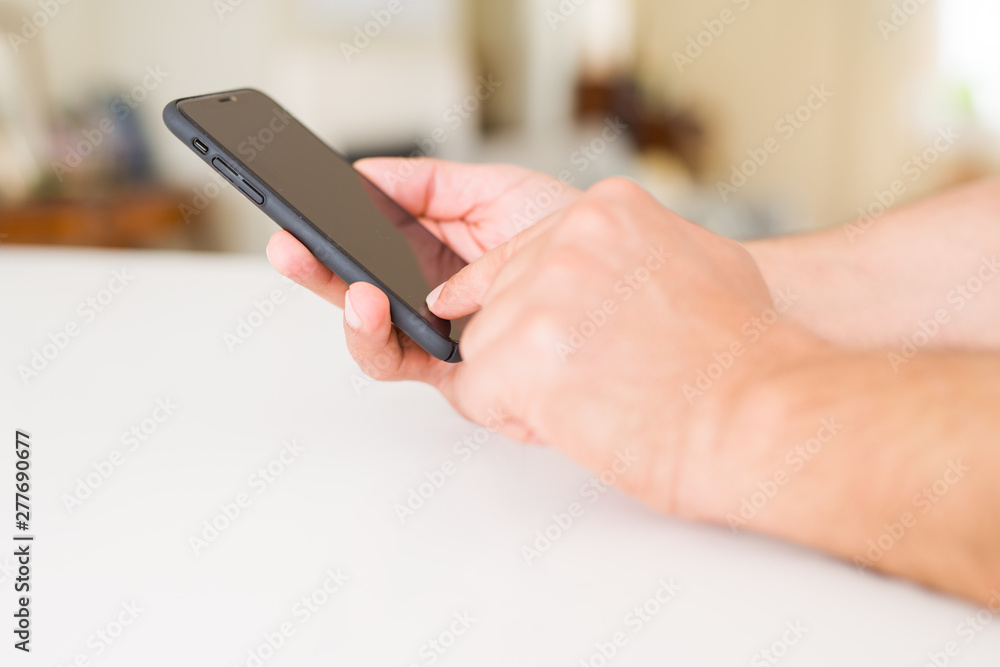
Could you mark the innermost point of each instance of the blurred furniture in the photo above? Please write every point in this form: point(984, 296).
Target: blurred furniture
point(142, 218)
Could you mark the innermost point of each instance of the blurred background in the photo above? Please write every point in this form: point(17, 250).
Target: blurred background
point(752, 117)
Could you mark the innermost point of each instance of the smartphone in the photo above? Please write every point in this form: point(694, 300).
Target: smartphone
point(309, 189)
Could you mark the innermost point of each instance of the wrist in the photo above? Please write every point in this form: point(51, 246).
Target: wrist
point(736, 433)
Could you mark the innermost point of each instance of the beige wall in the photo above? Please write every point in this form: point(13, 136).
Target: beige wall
point(762, 67)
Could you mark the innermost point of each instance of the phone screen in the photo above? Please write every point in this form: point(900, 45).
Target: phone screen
point(328, 192)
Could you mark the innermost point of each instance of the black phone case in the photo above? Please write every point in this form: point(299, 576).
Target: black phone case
point(322, 247)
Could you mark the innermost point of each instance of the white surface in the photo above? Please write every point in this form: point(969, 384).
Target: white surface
point(162, 337)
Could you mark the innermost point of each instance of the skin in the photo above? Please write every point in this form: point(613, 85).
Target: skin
point(751, 385)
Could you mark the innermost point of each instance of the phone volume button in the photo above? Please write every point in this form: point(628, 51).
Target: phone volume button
point(251, 192)
point(224, 169)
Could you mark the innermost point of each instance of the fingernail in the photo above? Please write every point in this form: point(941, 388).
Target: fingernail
point(350, 315)
point(267, 251)
point(433, 296)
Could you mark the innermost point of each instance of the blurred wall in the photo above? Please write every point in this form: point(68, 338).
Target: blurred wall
point(750, 67)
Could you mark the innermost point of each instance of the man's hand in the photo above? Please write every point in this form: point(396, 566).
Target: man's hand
point(472, 208)
point(592, 328)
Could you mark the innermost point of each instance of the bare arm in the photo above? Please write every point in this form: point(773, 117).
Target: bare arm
point(893, 471)
point(871, 285)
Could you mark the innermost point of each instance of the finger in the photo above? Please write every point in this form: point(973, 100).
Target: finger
point(466, 291)
point(291, 259)
point(381, 351)
point(439, 189)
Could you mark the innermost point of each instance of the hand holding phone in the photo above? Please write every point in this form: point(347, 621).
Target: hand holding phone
point(348, 223)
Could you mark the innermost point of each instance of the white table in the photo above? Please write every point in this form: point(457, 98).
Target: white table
point(449, 586)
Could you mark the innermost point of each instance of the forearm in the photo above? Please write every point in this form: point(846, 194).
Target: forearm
point(873, 284)
point(893, 471)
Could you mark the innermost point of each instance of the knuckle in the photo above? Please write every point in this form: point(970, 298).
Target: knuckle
point(617, 186)
point(563, 265)
point(591, 219)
